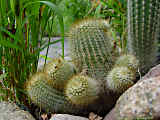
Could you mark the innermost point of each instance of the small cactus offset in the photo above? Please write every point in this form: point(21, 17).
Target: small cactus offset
point(129, 61)
point(59, 71)
point(91, 46)
point(120, 79)
point(82, 90)
point(143, 24)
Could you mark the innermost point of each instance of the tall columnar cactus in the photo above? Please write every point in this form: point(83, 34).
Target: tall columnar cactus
point(143, 24)
point(82, 90)
point(90, 46)
point(59, 71)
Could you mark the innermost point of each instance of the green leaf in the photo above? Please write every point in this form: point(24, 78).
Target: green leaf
point(7, 43)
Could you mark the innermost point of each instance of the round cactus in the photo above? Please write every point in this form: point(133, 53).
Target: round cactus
point(129, 61)
point(120, 78)
point(59, 71)
point(82, 90)
point(46, 97)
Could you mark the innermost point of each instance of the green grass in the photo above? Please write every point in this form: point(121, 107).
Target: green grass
point(24, 23)
point(22, 27)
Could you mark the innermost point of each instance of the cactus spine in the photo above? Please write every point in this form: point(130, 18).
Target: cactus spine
point(143, 23)
point(82, 90)
point(59, 72)
point(90, 46)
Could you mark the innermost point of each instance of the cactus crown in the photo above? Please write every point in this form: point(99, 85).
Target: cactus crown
point(59, 72)
point(129, 61)
point(82, 90)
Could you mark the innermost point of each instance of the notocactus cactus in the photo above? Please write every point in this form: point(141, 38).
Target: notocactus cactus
point(92, 51)
point(82, 90)
point(43, 94)
point(143, 24)
point(120, 79)
point(46, 97)
point(90, 43)
point(53, 100)
point(129, 61)
point(59, 71)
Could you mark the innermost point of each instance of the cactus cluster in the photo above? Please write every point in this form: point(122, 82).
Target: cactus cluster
point(97, 71)
point(120, 78)
point(59, 88)
point(123, 74)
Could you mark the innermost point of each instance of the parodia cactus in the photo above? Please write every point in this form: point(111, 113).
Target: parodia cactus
point(91, 51)
point(129, 61)
point(42, 94)
point(90, 46)
point(143, 24)
point(59, 72)
point(48, 98)
point(82, 90)
point(120, 79)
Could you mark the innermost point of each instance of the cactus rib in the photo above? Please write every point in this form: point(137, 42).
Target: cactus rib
point(143, 23)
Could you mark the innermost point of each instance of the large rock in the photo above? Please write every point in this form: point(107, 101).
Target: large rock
point(10, 111)
point(67, 117)
point(142, 101)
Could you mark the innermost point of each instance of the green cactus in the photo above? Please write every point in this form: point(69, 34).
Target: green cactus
point(43, 94)
point(143, 24)
point(129, 61)
point(92, 51)
point(52, 100)
point(82, 90)
point(90, 43)
point(59, 71)
point(46, 97)
point(120, 79)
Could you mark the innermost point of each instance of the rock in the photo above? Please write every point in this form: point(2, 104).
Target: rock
point(111, 115)
point(67, 117)
point(141, 101)
point(154, 72)
point(10, 111)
